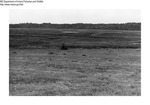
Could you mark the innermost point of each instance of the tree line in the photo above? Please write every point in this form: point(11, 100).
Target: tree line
point(119, 26)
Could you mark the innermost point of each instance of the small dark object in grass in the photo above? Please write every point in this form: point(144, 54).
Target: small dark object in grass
point(110, 60)
point(83, 55)
point(74, 61)
point(14, 52)
point(64, 54)
point(48, 65)
point(51, 53)
point(81, 71)
point(103, 85)
point(64, 47)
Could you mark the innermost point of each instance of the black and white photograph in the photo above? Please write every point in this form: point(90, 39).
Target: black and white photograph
point(75, 52)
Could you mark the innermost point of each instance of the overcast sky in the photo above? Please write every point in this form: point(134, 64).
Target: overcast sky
point(73, 16)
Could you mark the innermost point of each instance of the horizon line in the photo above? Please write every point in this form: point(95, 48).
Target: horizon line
point(73, 23)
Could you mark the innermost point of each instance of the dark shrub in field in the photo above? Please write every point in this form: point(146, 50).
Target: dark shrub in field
point(14, 52)
point(83, 55)
point(51, 53)
point(64, 47)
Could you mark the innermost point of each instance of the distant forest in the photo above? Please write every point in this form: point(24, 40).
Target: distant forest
point(121, 26)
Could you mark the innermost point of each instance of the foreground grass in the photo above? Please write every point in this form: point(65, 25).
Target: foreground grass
point(80, 72)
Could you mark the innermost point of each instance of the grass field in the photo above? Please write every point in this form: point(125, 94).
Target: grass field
point(97, 62)
point(75, 38)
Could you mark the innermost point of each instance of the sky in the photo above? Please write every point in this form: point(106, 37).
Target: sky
point(73, 16)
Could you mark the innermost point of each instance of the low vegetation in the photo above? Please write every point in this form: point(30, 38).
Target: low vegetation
point(123, 26)
point(74, 62)
point(80, 38)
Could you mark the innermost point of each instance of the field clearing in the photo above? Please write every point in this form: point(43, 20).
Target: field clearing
point(97, 62)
